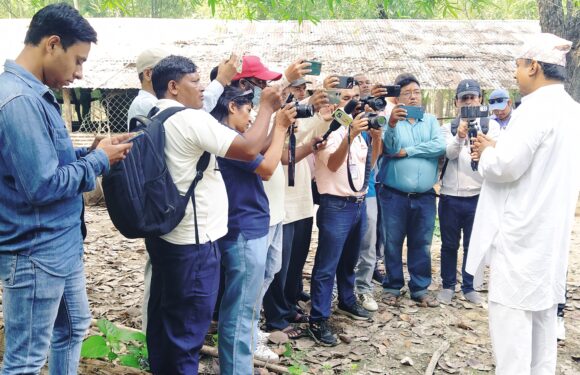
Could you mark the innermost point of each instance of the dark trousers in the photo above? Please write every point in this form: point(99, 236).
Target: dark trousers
point(412, 217)
point(184, 286)
point(456, 214)
point(341, 226)
point(282, 295)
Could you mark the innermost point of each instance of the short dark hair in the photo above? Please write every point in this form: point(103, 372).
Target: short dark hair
point(551, 71)
point(405, 79)
point(171, 68)
point(62, 20)
point(214, 72)
point(230, 94)
point(141, 76)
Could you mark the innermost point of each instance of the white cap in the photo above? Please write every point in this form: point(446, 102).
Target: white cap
point(547, 48)
point(149, 58)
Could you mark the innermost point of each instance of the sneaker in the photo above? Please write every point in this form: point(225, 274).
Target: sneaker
point(561, 329)
point(445, 296)
point(368, 302)
point(356, 311)
point(378, 276)
point(322, 334)
point(265, 354)
point(473, 297)
point(262, 337)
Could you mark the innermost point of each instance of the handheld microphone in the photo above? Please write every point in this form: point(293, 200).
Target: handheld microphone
point(334, 125)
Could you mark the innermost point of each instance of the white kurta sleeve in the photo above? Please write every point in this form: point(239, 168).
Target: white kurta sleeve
point(513, 153)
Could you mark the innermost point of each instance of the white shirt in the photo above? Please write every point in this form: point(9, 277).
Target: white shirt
point(144, 101)
point(141, 105)
point(298, 200)
point(526, 207)
point(459, 179)
point(187, 135)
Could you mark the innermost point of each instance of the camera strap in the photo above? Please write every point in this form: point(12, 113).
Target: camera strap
point(291, 156)
point(367, 166)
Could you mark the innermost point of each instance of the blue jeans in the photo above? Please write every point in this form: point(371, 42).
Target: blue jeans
point(412, 217)
point(34, 301)
point(455, 214)
point(244, 263)
point(183, 292)
point(341, 226)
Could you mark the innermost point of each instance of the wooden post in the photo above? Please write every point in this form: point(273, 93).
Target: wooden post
point(67, 109)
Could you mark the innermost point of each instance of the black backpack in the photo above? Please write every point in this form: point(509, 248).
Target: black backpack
point(483, 123)
point(140, 194)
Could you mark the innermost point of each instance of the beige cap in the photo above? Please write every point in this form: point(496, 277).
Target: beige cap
point(547, 48)
point(149, 58)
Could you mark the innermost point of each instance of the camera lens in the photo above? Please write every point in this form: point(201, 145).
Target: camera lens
point(304, 111)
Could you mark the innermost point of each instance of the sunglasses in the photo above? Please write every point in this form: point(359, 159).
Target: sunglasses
point(248, 94)
point(498, 100)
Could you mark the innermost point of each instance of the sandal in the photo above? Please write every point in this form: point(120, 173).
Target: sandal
point(390, 299)
point(294, 333)
point(300, 318)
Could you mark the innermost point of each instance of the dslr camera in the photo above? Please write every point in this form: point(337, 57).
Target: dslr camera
point(375, 121)
point(376, 103)
point(302, 110)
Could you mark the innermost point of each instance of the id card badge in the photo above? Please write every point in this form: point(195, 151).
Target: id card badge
point(353, 170)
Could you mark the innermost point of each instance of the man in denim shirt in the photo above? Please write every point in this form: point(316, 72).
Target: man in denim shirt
point(42, 178)
point(411, 148)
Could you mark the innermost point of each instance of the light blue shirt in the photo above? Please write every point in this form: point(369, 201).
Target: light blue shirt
point(424, 144)
point(42, 177)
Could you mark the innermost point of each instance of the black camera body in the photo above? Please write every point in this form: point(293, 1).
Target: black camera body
point(375, 121)
point(473, 112)
point(376, 103)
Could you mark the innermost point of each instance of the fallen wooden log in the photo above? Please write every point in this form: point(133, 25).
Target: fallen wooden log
point(435, 358)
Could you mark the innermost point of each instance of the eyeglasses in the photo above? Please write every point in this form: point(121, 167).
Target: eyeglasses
point(407, 94)
point(498, 100)
point(368, 82)
point(257, 82)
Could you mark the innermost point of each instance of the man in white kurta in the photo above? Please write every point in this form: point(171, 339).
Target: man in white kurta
point(526, 210)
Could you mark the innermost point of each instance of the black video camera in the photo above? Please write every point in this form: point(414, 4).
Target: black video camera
point(375, 121)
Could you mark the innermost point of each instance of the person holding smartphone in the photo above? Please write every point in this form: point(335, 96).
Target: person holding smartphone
point(411, 151)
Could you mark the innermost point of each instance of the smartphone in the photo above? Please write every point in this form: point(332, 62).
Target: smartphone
point(333, 96)
point(414, 112)
point(315, 67)
point(342, 117)
point(238, 60)
point(136, 135)
point(392, 90)
point(345, 82)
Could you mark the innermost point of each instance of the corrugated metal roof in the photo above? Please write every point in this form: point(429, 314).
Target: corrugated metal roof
point(439, 52)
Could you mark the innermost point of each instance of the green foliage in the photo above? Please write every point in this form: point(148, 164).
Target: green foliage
point(129, 348)
point(297, 366)
point(300, 10)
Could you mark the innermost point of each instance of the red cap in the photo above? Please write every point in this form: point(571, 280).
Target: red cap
point(253, 67)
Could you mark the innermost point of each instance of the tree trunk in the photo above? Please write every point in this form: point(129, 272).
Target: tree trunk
point(566, 24)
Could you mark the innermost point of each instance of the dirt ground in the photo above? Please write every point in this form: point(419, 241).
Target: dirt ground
point(398, 340)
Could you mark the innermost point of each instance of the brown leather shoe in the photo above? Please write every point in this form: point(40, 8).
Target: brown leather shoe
point(427, 300)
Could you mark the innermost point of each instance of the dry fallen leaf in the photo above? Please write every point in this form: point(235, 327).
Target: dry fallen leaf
point(407, 361)
point(278, 337)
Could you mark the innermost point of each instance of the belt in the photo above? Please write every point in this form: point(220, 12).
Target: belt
point(409, 195)
point(349, 198)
